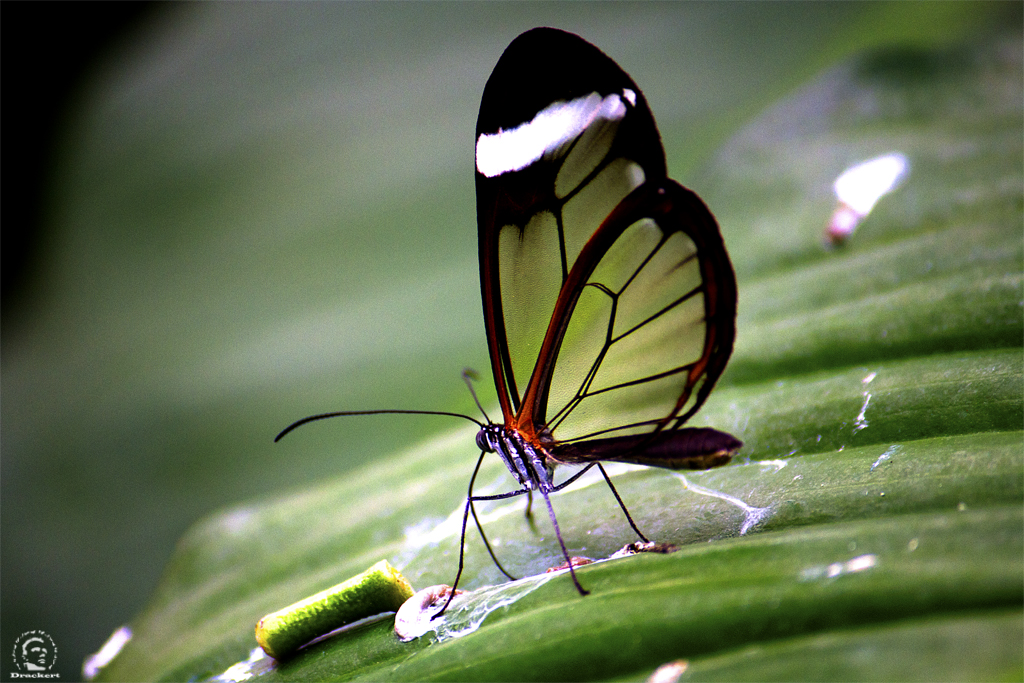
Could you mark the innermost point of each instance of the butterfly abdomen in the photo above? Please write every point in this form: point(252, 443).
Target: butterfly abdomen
point(690, 448)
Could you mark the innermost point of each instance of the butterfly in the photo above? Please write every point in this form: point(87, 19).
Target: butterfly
point(609, 299)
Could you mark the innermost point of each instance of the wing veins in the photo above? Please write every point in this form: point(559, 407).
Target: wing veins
point(561, 243)
point(633, 425)
point(601, 165)
point(642, 380)
point(643, 423)
point(596, 365)
point(654, 251)
point(583, 391)
point(654, 316)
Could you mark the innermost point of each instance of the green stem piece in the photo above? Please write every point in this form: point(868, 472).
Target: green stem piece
point(381, 588)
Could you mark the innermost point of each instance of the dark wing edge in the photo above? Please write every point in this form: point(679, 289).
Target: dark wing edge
point(720, 294)
point(494, 325)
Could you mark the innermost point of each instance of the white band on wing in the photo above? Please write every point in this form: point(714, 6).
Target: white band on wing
point(512, 150)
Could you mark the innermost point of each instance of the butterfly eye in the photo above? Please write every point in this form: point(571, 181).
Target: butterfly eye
point(482, 442)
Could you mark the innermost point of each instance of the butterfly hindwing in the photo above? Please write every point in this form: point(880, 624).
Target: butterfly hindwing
point(645, 340)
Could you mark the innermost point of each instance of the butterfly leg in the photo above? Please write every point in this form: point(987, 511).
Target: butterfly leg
point(470, 499)
point(554, 522)
point(529, 512)
point(558, 535)
point(621, 504)
point(462, 548)
point(487, 545)
point(479, 527)
point(529, 495)
point(573, 478)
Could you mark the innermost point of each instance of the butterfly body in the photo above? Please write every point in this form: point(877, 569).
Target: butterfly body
point(530, 464)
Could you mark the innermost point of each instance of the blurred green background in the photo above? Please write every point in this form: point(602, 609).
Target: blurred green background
point(262, 211)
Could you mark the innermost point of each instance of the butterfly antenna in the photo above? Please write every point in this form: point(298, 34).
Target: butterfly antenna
point(324, 416)
point(468, 375)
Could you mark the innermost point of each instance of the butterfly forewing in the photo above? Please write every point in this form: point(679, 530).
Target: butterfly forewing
point(608, 295)
point(563, 136)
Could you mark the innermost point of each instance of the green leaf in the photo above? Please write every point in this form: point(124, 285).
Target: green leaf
point(873, 523)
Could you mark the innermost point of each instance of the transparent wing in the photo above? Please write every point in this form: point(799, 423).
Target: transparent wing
point(646, 322)
point(564, 135)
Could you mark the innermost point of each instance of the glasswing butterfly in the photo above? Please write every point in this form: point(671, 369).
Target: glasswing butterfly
point(609, 299)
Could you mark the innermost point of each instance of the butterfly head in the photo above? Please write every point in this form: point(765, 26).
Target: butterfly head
point(488, 438)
